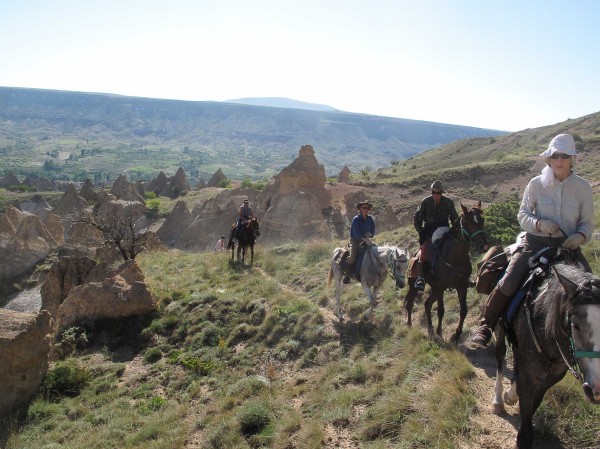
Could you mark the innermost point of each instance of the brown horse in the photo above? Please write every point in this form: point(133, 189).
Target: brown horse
point(556, 330)
point(246, 238)
point(451, 269)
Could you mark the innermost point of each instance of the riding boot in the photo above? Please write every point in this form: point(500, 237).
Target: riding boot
point(420, 281)
point(496, 303)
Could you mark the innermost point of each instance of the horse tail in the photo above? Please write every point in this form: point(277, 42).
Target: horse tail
point(330, 277)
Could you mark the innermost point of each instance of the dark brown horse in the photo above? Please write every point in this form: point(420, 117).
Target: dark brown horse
point(246, 238)
point(451, 269)
point(556, 331)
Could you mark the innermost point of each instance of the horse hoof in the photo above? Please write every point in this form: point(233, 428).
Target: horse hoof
point(498, 408)
point(508, 399)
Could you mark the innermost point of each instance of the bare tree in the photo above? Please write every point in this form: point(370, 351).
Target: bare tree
point(118, 231)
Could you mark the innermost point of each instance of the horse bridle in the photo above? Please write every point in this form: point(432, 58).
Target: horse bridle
point(575, 353)
point(465, 232)
point(393, 262)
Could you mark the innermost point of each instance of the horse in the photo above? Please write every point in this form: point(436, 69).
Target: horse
point(247, 236)
point(558, 330)
point(373, 271)
point(451, 268)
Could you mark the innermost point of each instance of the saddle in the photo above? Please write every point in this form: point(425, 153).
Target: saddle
point(539, 269)
point(347, 268)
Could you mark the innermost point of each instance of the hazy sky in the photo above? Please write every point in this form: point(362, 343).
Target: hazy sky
point(506, 65)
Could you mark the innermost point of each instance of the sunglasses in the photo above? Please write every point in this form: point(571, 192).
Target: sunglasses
point(560, 156)
point(436, 192)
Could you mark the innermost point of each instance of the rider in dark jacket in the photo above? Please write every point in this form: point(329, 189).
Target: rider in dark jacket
point(434, 212)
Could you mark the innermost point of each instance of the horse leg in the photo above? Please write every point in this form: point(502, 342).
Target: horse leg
point(251, 253)
point(498, 404)
point(462, 299)
point(427, 305)
point(372, 298)
point(511, 396)
point(409, 302)
point(439, 295)
point(338, 293)
point(528, 404)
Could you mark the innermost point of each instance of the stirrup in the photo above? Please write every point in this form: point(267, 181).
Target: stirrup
point(346, 279)
point(482, 337)
point(420, 284)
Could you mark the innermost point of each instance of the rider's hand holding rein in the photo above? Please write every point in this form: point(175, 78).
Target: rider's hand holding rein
point(574, 241)
point(547, 226)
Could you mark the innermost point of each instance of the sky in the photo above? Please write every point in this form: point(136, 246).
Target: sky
point(506, 65)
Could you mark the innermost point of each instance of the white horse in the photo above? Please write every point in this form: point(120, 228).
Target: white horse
point(373, 271)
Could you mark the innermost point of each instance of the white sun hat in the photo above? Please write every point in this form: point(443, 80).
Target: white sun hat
point(563, 143)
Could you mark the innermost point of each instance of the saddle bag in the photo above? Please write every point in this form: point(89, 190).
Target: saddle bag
point(489, 269)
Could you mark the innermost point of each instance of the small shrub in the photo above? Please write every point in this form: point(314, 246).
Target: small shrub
point(66, 379)
point(253, 417)
point(152, 355)
point(70, 340)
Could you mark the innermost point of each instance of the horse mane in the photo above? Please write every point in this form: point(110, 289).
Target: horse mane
point(555, 301)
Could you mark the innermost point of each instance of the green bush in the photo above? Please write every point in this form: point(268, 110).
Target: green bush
point(501, 225)
point(66, 379)
point(254, 417)
point(152, 355)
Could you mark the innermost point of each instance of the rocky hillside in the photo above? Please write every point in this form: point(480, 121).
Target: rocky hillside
point(82, 135)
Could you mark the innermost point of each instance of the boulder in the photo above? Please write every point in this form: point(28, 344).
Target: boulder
point(122, 295)
point(25, 343)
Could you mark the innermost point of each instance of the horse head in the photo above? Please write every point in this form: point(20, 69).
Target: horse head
point(472, 225)
point(583, 321)
point(254, 226)
point(399, 266)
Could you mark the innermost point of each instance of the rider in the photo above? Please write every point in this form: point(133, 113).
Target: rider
point(434, 212)
point(244, 214)
point(362, 229)
point(557, 210)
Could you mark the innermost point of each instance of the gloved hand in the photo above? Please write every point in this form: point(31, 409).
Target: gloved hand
point(368, 234)
point(574, 241)
point(547, 227)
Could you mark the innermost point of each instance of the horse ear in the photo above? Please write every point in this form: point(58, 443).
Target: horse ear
point(569, 286)
point(479, 205)
point(464, 208)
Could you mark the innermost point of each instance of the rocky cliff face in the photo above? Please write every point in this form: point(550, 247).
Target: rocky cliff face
point(24, 347)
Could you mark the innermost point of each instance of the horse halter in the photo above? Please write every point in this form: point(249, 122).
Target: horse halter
point(392, 262)
point(575, 353)
point(465, 232)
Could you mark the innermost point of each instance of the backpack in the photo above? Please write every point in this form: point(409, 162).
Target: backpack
point(490, 268)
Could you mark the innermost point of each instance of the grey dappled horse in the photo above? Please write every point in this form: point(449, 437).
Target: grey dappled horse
point(373, 270)
point(561, 333)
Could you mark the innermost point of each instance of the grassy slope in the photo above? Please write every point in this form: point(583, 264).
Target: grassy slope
point(240, 357)
point(252, 357)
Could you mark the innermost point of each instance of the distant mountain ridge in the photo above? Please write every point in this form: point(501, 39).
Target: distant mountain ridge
point(70, 134)
point(281, 102)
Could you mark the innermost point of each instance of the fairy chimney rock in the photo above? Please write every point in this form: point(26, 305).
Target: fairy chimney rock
point(344, 175)
point(178, 184)
point(70, 204)
point(10, 180)
point(88, 193)
point(217, 178)
point(201, 184)
point(158, 184)
point(175, 224)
